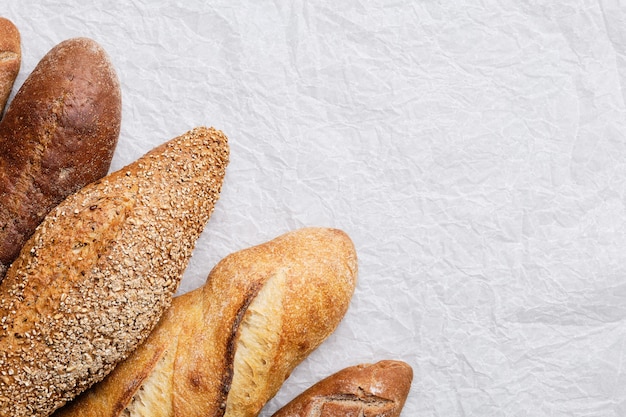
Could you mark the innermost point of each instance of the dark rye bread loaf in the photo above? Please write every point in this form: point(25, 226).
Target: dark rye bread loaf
point(99, 271)
point(10, 59)
point(58, 134)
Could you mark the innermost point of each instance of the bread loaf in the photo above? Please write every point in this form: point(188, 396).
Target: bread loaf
point(10, 59)
point(97, 274)
point(378, 390)
point(225, 349)
point(58, 134)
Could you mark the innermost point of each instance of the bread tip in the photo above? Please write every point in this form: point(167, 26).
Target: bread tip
point(400, 368)
point(9, 27)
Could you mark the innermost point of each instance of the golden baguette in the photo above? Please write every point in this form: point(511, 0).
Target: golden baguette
point(371, 390)
point(100, 270)
point(10, 59)
point(226, 348)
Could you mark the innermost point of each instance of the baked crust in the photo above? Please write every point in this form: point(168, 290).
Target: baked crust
point(368, 390)
point(58, 134)
point(10, 59)
point(226, 348)
point(100, 270)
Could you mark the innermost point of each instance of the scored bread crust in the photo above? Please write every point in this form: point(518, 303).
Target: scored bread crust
point(58, 134)
point(368, 390)
point(100, 270)
point(226, 348)
point(10, 59)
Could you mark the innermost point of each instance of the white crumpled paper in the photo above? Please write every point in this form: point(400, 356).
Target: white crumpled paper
point(475, 153)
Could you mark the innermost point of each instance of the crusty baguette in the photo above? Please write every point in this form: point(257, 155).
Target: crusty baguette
point(10, 59)
point(378, 390)
point(99, 271)
point(58, 134)
point(225, 349)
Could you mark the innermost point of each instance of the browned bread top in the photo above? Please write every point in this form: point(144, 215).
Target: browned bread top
point(378, 390)
point(309, 277)
point(226, 348)
point(10, 58)
point(99, 271)
point(58, 134)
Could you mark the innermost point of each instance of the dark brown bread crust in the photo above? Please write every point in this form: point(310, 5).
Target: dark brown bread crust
point(58, 134)
point(377, 390)
point(10, 59)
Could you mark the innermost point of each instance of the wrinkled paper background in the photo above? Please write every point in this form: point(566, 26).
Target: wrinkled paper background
point(475, 152)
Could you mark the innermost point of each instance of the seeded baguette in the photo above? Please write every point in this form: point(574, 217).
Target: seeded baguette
point(10, 59)
point(99, 271)
point(58, 135)
point(370, 390)
point(226, 348)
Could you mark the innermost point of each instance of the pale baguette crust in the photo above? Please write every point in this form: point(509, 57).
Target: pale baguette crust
point(10, 59)
point(100, 270)
point(378, 390)
point(58, 135)
point(194, 364)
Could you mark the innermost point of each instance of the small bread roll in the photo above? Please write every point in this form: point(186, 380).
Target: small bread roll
point(378, 390)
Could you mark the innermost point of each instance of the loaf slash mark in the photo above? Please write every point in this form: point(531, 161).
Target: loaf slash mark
point(231, 346)
point(155, 388)
point(259, 337)
point(131, 390)
point(366, 404)
point(8, 56)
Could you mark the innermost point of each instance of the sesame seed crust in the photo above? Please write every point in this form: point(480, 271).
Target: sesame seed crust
point(98, 273)
point(226, 348)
